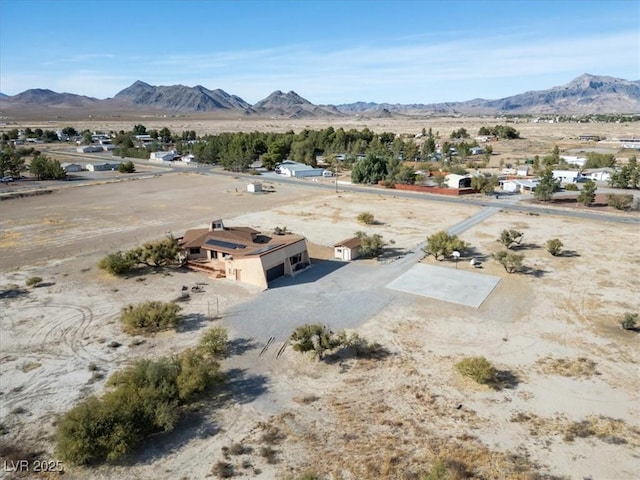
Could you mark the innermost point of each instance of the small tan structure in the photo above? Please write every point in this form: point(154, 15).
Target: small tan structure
point(348, 249)
point(244, 254)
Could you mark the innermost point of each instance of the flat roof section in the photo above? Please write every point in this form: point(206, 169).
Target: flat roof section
point(447, 284)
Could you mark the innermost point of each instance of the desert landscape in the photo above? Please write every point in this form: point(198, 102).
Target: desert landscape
point(567, 406)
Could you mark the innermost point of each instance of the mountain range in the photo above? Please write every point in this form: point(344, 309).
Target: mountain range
point(586, 94)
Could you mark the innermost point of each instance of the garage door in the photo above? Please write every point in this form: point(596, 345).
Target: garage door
point(275, 272)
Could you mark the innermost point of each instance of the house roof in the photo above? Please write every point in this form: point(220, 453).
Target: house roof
point(603, 169)
point(236, 241)
point(352, 242)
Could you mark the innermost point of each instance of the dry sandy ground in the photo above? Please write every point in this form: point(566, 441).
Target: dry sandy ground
point(554, 331)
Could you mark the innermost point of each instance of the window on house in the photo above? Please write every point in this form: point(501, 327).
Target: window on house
point(194, 251)
point(295, 258)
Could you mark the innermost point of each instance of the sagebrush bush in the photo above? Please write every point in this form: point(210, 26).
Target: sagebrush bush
point(150, 317)
point(143, 399)
point(33, 281)
point(116, 263)
point(554, 247)
point(629, 321)
point(366, 218)
point(478, 369)
point(214, 342)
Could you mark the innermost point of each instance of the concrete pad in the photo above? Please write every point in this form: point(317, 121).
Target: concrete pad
point(447, 284)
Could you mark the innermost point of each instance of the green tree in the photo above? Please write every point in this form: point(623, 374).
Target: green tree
point(45, 168)
point(11, 162)
point(546, 187)
point(554, 246)
point(440, 179)
point(156, 254)
point(127, 167)
point(370, 169)
point(139, 130)
point(484, 183)
point(371, 246)
point(70, 132)
point(164, 135)
point(512, 262)
point(510, 238)
point(442, 245)
point(588, 193)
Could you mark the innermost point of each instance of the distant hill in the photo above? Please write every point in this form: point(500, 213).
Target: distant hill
point(292, 105)
point(586, 94)
point(49, 98)
point(179, 98)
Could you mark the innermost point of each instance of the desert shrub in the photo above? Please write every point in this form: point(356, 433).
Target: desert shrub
point(620, 201)
point(554, 247)
point(214, 342)
point(370, 245)
point(280, 231)
point(629, 321)
point(150, 317)
point(143, 399)
point(315, 338)
point(479, 369)
point(510, 238)
point(116, 263)
point(442, 244)
point(366, 218)
point(33, 281)
point(363, 348)
point(238, 449)
point(512, 262)
point(269, 454)
point(223, 470)
point(571, 187)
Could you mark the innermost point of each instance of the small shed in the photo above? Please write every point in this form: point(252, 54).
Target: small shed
point(254, 187)
point(348, 249)
point(454, 180)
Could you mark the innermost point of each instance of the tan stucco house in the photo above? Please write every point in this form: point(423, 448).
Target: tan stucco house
point(244, 254)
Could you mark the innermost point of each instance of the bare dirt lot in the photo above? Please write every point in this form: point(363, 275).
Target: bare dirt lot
point(569, 405)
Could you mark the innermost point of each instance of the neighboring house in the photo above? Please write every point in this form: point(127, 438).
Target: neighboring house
point(102, 167)
point(522, 171)
point(244, 254)
point(295, 169)
point(348, 249)
point(162, 156)
point(89, 148)
point(599, 174)
point(567, 176)
point(453, 180)
point(518, 186)
point(71, 167)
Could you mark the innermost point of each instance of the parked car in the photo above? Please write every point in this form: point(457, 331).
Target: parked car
point(6, 179)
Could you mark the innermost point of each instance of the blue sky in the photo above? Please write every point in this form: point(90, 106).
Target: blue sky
point(327, 51)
